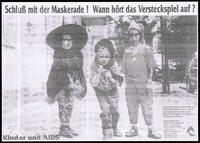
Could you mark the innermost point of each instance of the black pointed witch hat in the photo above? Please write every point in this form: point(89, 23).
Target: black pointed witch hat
point(77, 33)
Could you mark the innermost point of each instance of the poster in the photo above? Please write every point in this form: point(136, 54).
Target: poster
point(170, 31)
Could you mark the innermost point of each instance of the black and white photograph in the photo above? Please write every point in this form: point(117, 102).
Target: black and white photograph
point(98, 71)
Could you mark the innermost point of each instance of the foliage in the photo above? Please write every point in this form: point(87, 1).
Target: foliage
point(122, 23)
point(179, 35)
point(183, 35)
point(121, 28)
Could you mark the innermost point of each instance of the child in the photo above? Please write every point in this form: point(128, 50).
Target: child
point(137, 65)
point(105, 77)
point(66, 75)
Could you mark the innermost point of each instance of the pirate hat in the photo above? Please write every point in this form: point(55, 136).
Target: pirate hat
point(78, 35)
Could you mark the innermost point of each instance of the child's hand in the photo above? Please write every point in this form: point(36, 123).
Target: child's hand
point(108, 74)
point(115, 82)
point(72, 86)
point(101, 69)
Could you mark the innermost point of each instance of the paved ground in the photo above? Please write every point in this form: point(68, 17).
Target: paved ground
point(40, 119)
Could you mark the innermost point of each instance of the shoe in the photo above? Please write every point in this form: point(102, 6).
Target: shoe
point(49, 100)
point(106, 137)
point(65, 132)
point(154, 135)
point(132, 132)
point(117, 133)
point(73, 132)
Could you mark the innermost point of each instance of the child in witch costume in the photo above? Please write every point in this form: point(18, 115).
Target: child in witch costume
point(66, 79)
point(105, 77)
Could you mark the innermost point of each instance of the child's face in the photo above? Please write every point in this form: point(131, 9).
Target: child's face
point(134, 36)
point(103, 56)
point(66, 42)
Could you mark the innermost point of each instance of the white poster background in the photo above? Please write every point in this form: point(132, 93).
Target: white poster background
point(28, 117)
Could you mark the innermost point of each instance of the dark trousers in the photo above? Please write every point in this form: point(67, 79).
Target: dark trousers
point(108, 101)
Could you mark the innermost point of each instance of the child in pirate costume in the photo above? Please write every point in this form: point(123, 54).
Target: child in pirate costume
point(137, 65)
point(105, 77)
point(66, 80)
